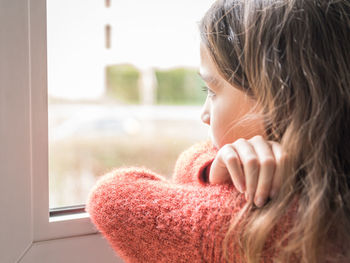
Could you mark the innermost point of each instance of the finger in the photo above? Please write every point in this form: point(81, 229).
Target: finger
point(218, 172)
point(227, 166)
point(250, 162)
point(233, 164)
point(267, 169)
point(280, 159)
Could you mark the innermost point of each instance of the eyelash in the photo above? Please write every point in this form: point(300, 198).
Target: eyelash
point(208, 91)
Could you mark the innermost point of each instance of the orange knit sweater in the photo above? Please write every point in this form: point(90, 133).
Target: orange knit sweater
point(147, 218)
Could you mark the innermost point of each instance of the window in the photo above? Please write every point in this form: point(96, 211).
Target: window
point(28, 232)
point(131, 98)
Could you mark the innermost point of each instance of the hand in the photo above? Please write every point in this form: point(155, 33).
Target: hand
point(254, 166)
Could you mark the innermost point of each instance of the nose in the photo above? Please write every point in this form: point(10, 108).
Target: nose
point(205, 115)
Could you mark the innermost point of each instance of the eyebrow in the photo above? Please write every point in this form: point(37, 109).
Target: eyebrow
point(208, 79)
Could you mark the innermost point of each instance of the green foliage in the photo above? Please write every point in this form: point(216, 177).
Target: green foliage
point(122, 83)
point(179, 86)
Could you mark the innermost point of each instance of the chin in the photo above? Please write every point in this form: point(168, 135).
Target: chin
point(214, 142)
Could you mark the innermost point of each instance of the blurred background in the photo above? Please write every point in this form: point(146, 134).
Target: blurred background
point(123, 89)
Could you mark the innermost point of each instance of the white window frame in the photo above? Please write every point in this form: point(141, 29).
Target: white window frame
point(27, 232)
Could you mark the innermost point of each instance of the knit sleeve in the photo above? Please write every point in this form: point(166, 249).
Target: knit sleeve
point(146, 218)
point(193, 165)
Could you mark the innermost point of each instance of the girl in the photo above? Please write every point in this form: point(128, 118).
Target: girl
point(277, 71)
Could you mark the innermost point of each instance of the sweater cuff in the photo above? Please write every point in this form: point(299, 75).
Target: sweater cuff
point(203, 173)
point(193, 165)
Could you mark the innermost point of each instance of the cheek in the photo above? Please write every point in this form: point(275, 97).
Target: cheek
point(219, 123)
point(228, 124)
point(225, 112)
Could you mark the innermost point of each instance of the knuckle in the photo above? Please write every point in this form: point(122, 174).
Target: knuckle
point(268, 162)
point(283, 157)
point(228, 154)
point(257, 138)
point(239, 141)
point(252, 162)
point(225, 148)
point(231, 158)
point(275, 144)
point(222, 150)
point(281, 160)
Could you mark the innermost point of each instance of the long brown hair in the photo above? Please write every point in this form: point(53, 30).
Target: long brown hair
point(293, 57)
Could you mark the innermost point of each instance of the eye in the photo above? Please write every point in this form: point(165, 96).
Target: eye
point(208, 91)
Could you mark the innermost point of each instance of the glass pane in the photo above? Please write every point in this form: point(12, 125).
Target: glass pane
point(123, 89)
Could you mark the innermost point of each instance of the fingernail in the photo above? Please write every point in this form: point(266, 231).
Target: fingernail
point(259, 201)
point(246, 196)
point(273, 193)
point(239, 188)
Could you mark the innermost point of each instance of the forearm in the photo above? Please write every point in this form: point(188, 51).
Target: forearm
point(148, 219)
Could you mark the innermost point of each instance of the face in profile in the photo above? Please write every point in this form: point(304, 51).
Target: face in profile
point(229, 112)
